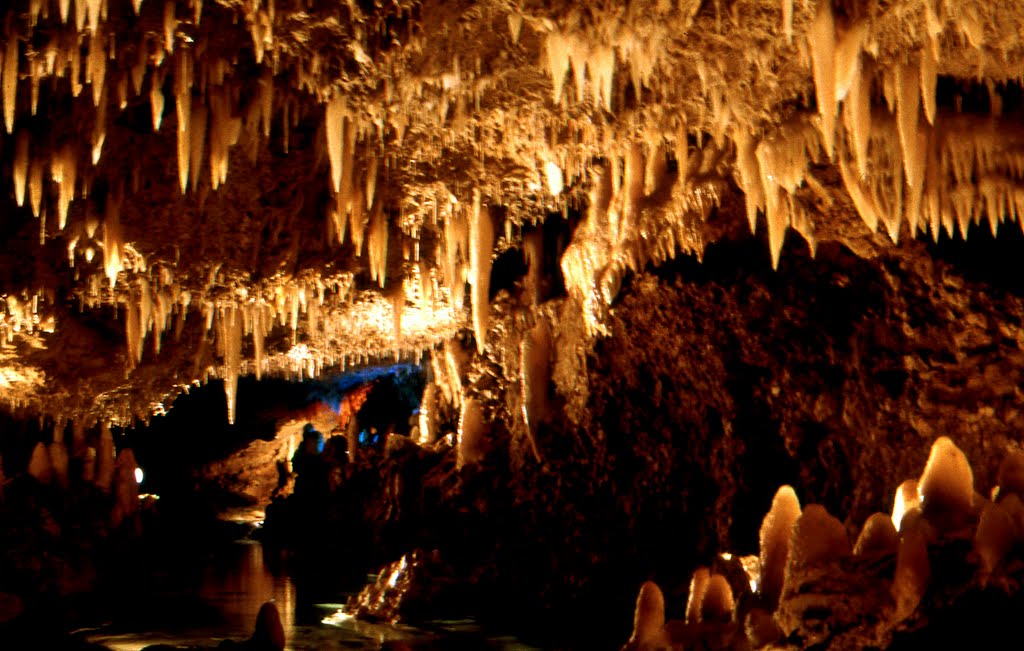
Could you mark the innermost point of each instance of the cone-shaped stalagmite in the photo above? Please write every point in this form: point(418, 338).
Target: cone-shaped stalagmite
point(776, 532)
point(817, 538)
point(946, 487)
point(698, 585)
point(878, 536)
point(913, 570)
point(717, 604)
point(649, 618)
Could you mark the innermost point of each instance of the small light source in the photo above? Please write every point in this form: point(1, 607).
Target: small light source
point(138, 475)
point(554, 178)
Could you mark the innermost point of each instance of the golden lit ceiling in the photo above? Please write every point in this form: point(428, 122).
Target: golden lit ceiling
point(282, 186)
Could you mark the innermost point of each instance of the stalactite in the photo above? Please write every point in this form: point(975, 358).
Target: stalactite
point(183, 106)
point(481, 243)
point(20, 168)
point(821, 40)
point(230, 333)
point(377, 246)
point(197, 140)
point(35, 185)
point(334, 126)
point(10, 81)
point(112, 238)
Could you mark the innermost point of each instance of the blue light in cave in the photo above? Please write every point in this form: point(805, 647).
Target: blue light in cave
point(331, 391)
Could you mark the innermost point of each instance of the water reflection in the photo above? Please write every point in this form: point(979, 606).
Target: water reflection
point(238, 586)
point(236, 581)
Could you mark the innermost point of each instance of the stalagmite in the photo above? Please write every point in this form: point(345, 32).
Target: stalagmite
point(946, 487)
point(20, 166)
point(481, 244)
point(776, 532)
point(821, 40)
point(39, 466)
point(698, 586)
point(994, 536)
point(105, 459)
point(649, 618)
point(717, 604)
point(471, 432)
point(817, 538)
point(10, 81)
point(878, 536)
point(906, 499)
point(913, 570)
point(535, 376)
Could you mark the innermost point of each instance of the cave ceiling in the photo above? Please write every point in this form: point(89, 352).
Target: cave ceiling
point(208, 188)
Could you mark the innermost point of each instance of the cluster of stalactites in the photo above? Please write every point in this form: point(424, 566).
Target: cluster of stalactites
point(631, 40)
point(23, 312)
point(210, 114)
point(157, 303)
point(797, 545)
point(911, 165)
point(637, 212)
